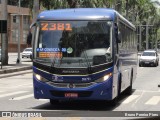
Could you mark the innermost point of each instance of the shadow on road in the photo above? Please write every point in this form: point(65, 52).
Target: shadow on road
point(82, 105)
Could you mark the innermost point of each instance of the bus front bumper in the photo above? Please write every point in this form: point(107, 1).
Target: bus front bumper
point(97, 91)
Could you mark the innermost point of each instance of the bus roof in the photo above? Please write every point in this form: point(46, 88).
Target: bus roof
point(82, 14)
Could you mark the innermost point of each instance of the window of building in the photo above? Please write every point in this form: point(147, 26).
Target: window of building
point(25, 32)
point(15, 19)
point(25, 19)
point(15, 35)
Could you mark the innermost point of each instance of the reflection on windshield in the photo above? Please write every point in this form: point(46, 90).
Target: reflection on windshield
point(74, 43)
point(148, 54)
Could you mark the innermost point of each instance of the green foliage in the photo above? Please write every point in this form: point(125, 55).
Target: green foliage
point(139, 12)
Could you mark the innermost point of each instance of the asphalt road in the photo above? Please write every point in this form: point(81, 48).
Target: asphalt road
point(16, 94)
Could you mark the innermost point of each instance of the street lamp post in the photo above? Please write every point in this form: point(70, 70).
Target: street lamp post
point(18, 59)
point(147, 36)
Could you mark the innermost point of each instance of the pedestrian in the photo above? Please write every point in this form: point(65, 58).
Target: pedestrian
point(29, 39)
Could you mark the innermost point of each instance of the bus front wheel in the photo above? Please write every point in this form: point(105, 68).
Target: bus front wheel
point(128, 91)
point(114, 101)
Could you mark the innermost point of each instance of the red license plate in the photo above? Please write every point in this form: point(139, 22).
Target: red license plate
point(71, 95)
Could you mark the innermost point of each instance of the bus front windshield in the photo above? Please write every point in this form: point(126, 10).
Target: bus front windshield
point(74, 43)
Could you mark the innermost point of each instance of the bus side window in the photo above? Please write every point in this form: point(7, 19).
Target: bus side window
point(117, 33)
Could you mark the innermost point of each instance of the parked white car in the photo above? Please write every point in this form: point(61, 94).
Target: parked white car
point(149, 57)
point(27, 52)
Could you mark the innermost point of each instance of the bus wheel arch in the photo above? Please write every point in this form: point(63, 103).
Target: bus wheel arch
point(128, 91)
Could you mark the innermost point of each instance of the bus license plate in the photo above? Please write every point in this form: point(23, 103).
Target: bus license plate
point(71, 95)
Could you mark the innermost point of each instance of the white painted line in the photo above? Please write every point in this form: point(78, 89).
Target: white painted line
point(13, 93)
point(23, 85)
point(43, 100)
point(147, 90)
point(130, 99)
point(22, 97)
point(153, 101)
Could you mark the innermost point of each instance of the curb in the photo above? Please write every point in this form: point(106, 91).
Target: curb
point(15, 69)
point(15, 73)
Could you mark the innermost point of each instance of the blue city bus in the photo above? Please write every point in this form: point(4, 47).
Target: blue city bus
point(83, 54)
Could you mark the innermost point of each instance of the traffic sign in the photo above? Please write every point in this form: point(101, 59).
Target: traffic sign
point(3, 26)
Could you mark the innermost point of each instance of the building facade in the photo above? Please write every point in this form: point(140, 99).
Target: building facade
point(13, 25)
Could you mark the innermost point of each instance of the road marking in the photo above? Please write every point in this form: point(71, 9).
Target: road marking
point(153, 101)
point(38, 118)
point(147, 91)
point(23, 85)
point(130, 99)
point(43, 100)
point(14, 93)
point(22, 97)
point(74, 118)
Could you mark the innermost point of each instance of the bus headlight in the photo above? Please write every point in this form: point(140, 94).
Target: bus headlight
point(40, 78)
point(104, 78)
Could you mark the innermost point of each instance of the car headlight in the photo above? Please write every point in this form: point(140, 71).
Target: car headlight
point(104, 78)
point(40, 78)
point(154, 60)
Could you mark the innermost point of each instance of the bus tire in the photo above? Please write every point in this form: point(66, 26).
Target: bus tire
point(119, 84)
point(128, 91)
point(54, 102)
point(140, 65)
point(114, 101)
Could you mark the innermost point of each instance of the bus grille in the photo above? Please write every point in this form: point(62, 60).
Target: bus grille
point(66, 85)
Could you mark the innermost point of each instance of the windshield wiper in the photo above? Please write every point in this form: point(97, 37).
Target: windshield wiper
point(53, 61)
point(88, 63)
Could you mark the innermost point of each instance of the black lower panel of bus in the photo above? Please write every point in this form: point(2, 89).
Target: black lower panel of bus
point(72, 93)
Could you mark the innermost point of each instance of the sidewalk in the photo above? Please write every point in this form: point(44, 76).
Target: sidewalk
point(25, 64)
point(15, 68)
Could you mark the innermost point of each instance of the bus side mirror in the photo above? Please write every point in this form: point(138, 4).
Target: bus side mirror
point(32, 25)
point(117, 34)
point(119, 37)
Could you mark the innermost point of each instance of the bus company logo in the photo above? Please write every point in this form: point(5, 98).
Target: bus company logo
point(55, 77)
point(71, 85)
